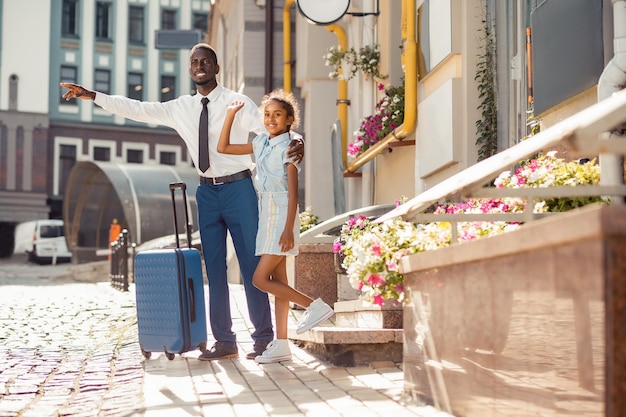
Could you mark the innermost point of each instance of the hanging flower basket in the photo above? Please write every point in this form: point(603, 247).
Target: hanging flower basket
point(346, 64)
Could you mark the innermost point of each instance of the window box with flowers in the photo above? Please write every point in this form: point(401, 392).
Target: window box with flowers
point(371, 252)
point(388, 116)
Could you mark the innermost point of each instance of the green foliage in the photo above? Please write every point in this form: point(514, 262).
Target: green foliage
point(487, 126)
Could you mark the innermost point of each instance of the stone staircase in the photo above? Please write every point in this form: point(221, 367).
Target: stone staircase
point(358, 334)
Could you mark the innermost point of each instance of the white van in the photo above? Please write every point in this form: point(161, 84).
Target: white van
point(43, 241)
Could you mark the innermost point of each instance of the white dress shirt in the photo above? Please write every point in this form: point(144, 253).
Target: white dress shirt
point(183, 115)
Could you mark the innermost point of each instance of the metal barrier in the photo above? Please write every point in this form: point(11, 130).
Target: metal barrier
point(120, 272)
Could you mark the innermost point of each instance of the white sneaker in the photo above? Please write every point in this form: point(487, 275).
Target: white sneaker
point(316, 313)
point(276, 351)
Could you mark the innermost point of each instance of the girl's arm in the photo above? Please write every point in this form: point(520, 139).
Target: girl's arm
point(286, 238)
point(224, 145)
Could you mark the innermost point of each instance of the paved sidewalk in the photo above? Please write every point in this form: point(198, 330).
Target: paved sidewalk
point(70, 349)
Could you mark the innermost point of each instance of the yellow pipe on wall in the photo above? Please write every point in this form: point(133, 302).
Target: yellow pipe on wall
point(342, 93)
point(409, 61)
point(287, 45)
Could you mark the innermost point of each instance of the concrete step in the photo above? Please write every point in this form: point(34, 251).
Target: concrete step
point(356, 314)
point(347, 346)
point(352, 344)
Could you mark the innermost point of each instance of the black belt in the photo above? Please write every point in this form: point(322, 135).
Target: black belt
point(226, 178)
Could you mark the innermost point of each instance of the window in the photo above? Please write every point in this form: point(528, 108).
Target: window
point(68, 75)
point(69, 18)
point(67, 161)
point(101, 154)
point(167, 158)
point(168, 88)
point(200, 21)
point(168, 19)
point(134, 156)
point(51, 231)
point(102, 81)
point(135, 86)
point(135, 25)
point(558, 28)
point(103, 22)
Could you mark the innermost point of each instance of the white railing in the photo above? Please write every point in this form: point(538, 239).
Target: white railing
point(329, 230)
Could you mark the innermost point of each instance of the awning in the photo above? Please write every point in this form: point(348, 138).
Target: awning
point(138, 196)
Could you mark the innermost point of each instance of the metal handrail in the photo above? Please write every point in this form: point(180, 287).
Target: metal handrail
point(329, 230)
point(581, 132)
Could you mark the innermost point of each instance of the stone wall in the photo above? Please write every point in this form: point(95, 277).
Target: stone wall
point(527, 323)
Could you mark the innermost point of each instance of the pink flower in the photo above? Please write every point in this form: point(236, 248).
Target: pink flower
point(360, 286)
point(378, 300)
point(392, 265)
point(375, 279)
point(337, 247)
point(353, 149)
point(354, 220)
point(399, 288)
point(376, 249)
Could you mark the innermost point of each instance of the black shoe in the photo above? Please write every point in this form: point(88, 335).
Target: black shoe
point(219, 350)
point(259, 348)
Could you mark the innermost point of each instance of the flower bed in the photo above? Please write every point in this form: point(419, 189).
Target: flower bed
point(371, 251)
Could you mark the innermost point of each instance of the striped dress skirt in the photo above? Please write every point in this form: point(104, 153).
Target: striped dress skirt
point(272, 217)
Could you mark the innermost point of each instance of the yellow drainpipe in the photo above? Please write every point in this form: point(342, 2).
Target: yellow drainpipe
point(342, 87)
point(409, 60)
point(287, 45)
point(342, 92)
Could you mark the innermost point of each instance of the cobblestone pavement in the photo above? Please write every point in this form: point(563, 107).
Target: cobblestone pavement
point(70, 349)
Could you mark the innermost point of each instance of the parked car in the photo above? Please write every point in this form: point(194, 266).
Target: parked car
point(43, 241)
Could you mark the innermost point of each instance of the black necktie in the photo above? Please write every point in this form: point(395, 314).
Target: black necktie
point(203, 144)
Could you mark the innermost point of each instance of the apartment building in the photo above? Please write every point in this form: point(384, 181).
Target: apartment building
point(136, 48)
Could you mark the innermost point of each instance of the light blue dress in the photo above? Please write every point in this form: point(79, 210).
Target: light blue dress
point(271, 185)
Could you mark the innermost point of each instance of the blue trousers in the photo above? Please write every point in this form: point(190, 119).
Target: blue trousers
point(231, 207)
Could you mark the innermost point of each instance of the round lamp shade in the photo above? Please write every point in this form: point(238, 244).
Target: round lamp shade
point(323, 12)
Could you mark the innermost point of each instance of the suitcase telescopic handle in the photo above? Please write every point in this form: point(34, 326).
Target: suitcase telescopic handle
point(183, 187)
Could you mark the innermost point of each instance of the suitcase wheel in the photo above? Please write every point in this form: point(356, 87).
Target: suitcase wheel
point(169, 356)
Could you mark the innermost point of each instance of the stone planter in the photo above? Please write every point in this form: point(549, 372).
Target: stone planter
point(345, 291)
point(338, 260)
point(358, 315)
point(530, 322)
point(314, 272)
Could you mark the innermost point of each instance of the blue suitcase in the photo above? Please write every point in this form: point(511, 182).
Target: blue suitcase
point(169, 292)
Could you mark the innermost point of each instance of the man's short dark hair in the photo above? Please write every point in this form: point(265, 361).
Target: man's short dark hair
point(206, 46)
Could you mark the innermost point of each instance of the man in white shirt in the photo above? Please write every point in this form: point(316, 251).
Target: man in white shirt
point(226, 197)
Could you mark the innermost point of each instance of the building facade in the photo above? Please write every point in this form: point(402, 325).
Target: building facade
point(109, 46)
point(545, 61)
point(541, 60)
